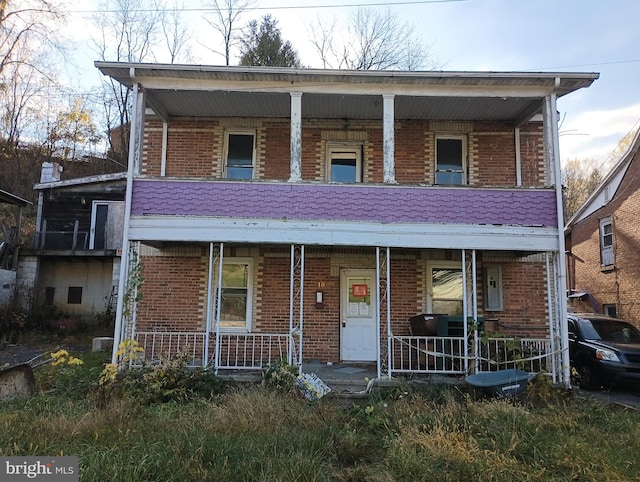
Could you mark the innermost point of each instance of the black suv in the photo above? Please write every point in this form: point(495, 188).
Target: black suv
point(603, 350)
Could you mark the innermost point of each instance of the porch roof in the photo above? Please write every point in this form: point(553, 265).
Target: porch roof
point(201, 90)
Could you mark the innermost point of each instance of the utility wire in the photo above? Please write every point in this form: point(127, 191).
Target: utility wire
point(280, 7)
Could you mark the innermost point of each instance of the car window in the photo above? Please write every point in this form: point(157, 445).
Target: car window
point(588, 331)
point(610, 330)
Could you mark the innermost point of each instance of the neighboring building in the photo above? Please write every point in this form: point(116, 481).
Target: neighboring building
point(10, 245)
point(603, 243)
point(308, 214)
point(74, 261)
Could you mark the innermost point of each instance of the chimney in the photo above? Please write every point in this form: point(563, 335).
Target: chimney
point(50, 172)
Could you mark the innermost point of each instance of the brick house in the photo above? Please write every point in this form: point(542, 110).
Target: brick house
point(603, 241)
point(309, 214)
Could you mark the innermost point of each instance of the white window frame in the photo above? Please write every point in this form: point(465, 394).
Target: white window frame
point(349, 148)
point(444, 137)
point(249, 311)
point(457, 265)
point(493, 290)
point(242, 132)
point(606, 248)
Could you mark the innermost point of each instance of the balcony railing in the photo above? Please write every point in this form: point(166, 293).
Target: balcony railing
point(61, 240)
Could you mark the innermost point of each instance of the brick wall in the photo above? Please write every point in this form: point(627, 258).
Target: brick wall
point(174, 291)
point(526, 309)
point(619, 285)
point(195, 149)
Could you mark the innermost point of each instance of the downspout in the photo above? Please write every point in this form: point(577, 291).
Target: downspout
point(551, 117)
point(138, 105)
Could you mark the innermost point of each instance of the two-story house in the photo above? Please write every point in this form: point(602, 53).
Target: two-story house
point(603, 241)
point(309, 214)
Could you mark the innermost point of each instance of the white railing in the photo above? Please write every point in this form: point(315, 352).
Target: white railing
point(237, 351)
point(529, 354)
point(427, 354)
point(446, 355)
point(162, 345)
point(252, 351)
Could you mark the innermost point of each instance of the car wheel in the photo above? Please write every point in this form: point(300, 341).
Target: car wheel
point(588, 380)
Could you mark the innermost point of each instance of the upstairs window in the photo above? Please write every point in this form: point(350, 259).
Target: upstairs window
point(451, 153)
point(240, 155)
point(344, 163)
point(606, 241)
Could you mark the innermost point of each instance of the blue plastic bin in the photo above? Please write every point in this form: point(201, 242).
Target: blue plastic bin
point(502, 383)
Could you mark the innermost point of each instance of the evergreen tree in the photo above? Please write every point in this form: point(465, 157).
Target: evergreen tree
point(262, 45)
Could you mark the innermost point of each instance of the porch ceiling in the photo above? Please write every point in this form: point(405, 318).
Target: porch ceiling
point(196, 90)
point(340, 106)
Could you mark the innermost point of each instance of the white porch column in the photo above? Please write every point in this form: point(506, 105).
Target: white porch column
point(388, 143)
point(296, 137)
point(552, 150)
point(135, 160)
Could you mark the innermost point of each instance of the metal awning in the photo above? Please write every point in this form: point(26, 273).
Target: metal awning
point(201, 91)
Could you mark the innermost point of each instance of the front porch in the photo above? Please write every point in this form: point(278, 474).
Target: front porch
point(308, 332)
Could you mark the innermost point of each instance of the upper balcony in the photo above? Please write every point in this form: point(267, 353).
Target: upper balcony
point(377, 127)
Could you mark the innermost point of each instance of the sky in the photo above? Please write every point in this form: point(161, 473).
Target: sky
point(599, 36)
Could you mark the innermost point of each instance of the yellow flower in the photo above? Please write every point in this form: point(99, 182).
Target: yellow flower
point(75, 361)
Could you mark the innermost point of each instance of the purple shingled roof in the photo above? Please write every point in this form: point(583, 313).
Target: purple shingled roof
point(315, 202)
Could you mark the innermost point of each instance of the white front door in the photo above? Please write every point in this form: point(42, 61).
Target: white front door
point(358, 307)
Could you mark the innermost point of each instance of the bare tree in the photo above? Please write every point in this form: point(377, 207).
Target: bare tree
point(579, 179)
point(225, 20)
point(33, 23)
point(376, 40)
point(174, 31)
point(126, 32)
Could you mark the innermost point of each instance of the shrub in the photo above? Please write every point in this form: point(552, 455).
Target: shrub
point(169, 380)
point(280, 375)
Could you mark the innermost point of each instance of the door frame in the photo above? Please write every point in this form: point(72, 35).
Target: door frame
point(346, 273)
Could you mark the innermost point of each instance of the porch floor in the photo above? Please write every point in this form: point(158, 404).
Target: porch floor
point(348, 380)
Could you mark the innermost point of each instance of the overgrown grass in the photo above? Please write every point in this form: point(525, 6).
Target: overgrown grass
point(430, 433)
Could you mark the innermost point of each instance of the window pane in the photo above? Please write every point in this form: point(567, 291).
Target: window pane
point(235, 275)
point(607, 235)
point(343, 170)
point(451, 308)
point(233, 299)
point(233, 307)
point(449, 154)
point(239, 172)
point(240, 156)
point(452, 178)
point(447, 283)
